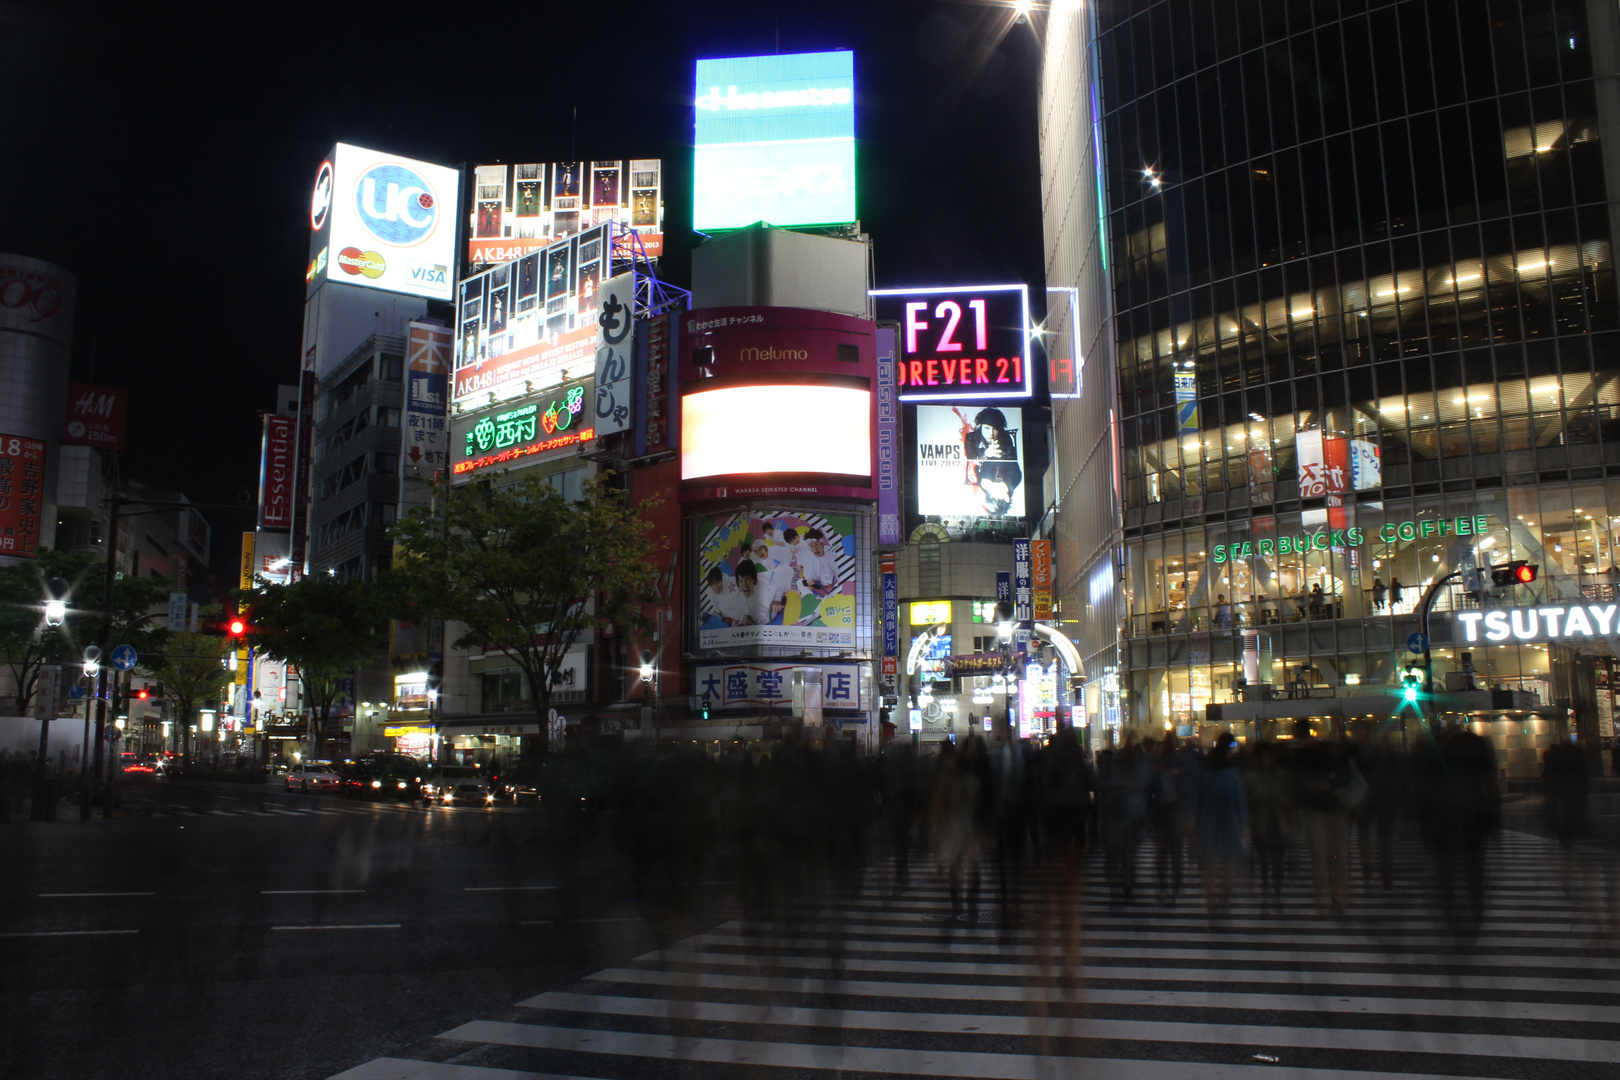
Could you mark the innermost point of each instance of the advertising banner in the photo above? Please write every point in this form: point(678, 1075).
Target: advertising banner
point(1262, 474)
point(1023, 581)
point(1004, 593)
point(276, 465)
point(537, 424)
point(95, 416)
point(1186, 403)
point(776, 577)
point(1041, 574)
point(888, 442)
point(384, 222)
point(518, 209)
point(1324, 464)
point(427, 397)
point(960, 342)
point(978, 664)
point(615, 345)
point(970, 461)
point(891, 619)
point(531, 320)
point(272, 557)
point(1366, 465)
point(775, 141)
point(776, 402)
point(760, 685)
point(22, 494)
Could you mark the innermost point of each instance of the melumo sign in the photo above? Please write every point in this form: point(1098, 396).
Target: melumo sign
point(1576, 622)
point(1328, 539)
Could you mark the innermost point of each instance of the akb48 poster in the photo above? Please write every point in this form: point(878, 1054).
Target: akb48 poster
point(778, 577)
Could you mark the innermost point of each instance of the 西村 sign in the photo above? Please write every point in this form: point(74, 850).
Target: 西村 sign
point(1336, 539)
point(527, 429)
point(1550, 622)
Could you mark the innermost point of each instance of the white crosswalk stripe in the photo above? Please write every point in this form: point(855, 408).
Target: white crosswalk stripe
point(898, 988)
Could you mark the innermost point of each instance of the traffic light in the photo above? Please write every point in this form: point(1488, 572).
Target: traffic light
point(1517, 572)
point(142, 693)
point(237, 626)
point(705, 708)
point(1411, 681)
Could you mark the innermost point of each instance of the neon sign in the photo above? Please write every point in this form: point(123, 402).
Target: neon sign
point(968, 342)
point(525, 430)
point(1335, 539)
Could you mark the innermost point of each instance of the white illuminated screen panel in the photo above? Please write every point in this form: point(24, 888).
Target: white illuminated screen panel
point(745, 430)
point(393, 223)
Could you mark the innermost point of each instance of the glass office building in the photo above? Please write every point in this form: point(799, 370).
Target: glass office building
point(1355, 328)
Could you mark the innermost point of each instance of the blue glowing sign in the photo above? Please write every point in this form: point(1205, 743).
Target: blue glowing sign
point(775, 141)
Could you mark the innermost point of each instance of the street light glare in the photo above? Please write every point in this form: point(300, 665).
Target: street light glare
point(55, 612)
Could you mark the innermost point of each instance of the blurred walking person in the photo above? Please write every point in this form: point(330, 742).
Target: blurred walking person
point(1122, 787)
point(1271, 818)
point(1460, 809)
point(1327, 788)
point(1220, 814)
point(956, 834)
point(1169, 802)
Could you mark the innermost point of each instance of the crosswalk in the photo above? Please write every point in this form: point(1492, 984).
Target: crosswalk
point(894, 988)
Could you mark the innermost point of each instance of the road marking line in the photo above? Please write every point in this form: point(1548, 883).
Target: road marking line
point(509, 888)
point(58, 895)
point(344, 926)
point(67, 933)
point(305, 892)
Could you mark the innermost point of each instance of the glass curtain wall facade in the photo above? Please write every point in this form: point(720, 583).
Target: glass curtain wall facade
point(1361, 279)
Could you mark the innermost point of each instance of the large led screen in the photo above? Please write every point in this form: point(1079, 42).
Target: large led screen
point(384, 222)
point(960, 342)
point(776, 577)
point(774, 429)
point(775, 141)
point(521, 208)
point(532, 320)
point(970, 461)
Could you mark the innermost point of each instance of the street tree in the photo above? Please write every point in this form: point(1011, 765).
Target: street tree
point(525, 569)
point(322, 626)
point(25, 644)
point(190, 672)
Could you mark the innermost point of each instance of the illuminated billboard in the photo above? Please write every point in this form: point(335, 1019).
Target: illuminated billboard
point(538, 424)
point(776, 577)
point(970, 461)
point(775, 141)
point(960, 342)
point(530, 320)
point(517, 209)
point(776, 401)
point(383, 222)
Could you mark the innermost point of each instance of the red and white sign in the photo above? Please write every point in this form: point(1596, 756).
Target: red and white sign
point(95, 416)
point(1324, 464)
point(276, 466)
point(22, 490)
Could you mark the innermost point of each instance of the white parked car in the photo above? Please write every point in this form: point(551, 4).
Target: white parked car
point(450, 784)
point(313, 776)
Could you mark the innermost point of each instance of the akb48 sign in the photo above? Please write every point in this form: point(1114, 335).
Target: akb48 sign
point(960, 342)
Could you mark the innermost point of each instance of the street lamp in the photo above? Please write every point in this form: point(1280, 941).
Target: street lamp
point(44, 806)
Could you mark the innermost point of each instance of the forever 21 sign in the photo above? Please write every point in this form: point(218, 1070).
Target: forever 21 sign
point(959, 342)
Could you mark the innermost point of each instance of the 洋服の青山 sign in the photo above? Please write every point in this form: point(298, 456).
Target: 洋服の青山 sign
point(1553, 622)
point(1325, 539)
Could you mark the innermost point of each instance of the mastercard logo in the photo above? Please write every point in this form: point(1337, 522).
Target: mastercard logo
point(354, 261)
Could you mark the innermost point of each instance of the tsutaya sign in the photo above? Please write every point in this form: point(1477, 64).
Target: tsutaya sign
point(1577, 622)
point(1324, 539)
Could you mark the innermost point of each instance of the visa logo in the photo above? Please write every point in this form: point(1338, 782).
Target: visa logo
point(429, 274)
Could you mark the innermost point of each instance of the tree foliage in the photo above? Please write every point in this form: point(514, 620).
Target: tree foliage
point(25, 642)
point(525, 569)
point(325, 627)
point(188, 668)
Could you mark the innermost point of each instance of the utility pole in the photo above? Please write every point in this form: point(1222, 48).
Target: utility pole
point(1423, 628)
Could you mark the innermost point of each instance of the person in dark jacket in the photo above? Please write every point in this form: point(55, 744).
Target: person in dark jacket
point(1220, 813)
point(1271, 818)
point(1563, 774)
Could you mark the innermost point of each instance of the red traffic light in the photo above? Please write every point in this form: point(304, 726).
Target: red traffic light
point(142, 694)
point(238, 627)
point(1524, 573)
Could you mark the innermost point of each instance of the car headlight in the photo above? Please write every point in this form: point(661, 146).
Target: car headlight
point(402, 785)
point(376, 783)
point(489, 796)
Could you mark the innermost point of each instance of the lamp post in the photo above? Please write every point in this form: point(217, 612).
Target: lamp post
point(44, 806)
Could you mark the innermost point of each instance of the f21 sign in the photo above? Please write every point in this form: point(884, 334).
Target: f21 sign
point(960, 342)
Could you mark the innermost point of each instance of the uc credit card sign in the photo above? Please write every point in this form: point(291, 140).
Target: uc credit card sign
point(775, 140)
point(384, 222)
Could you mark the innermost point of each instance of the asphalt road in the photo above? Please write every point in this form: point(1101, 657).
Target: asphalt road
point(245, 932)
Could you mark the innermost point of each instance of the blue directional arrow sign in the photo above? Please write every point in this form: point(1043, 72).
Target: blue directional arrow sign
point(1414, 644)
point(124, 657)
point(76, 692)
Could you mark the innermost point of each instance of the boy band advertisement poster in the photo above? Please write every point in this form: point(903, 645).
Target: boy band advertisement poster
point(518, 209)
point(970, 461)
point(776, 577)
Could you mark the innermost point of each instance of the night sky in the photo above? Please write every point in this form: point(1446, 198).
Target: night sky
point(165, 156)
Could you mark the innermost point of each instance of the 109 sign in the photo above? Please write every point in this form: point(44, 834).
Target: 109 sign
point(960, 342)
